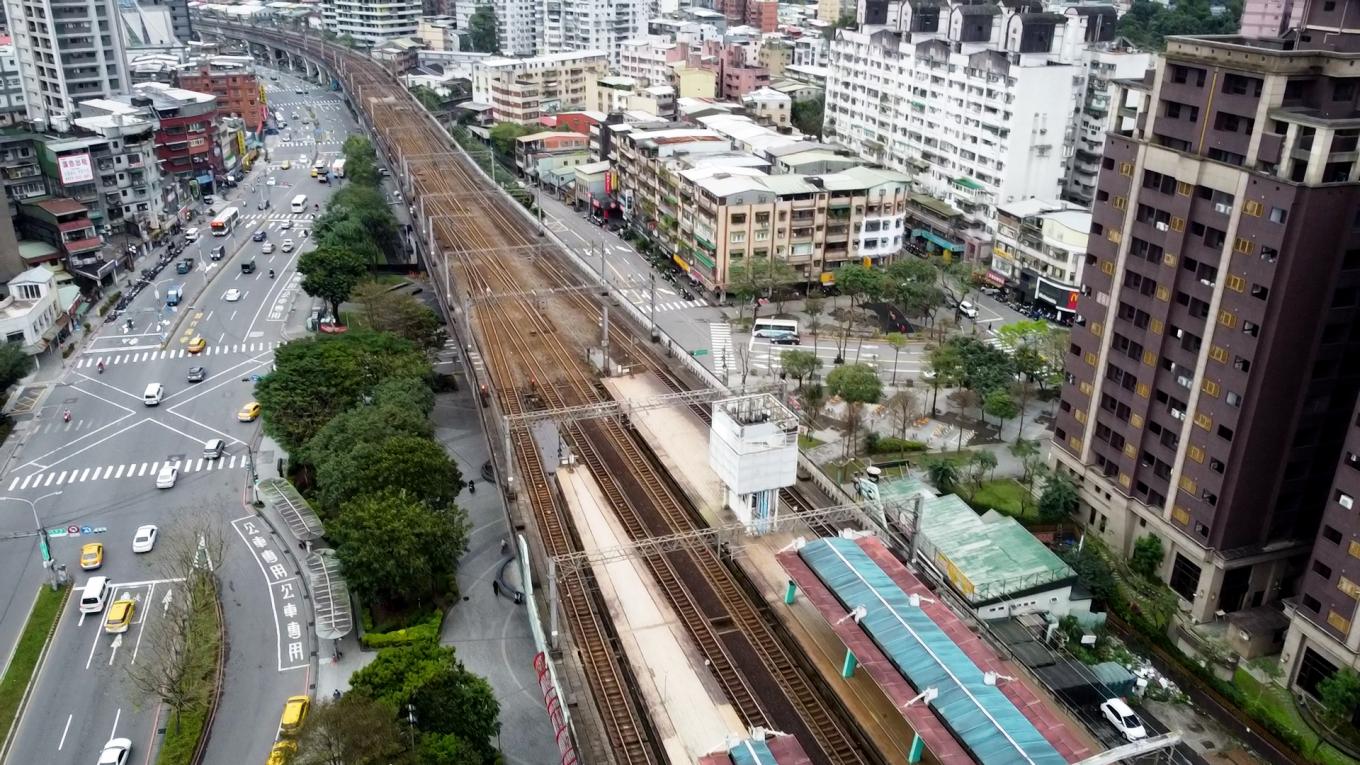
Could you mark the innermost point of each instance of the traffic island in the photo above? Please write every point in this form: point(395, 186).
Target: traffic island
point(21, 671)
point(188, 727)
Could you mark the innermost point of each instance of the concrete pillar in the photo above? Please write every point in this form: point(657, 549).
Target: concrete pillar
point(918, 748)
point(790, 592)
point(848, 668)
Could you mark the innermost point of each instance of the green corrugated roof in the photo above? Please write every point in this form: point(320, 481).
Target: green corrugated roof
point(968, 183)
point(992, 551)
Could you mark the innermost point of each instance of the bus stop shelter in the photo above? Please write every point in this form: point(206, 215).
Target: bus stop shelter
point(280, 496)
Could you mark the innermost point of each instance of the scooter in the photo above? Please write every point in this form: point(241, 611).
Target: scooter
point(101, 367)
point(271, 273)
point(66, 415)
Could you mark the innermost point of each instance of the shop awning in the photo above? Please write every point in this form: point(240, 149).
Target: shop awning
point(935, 239)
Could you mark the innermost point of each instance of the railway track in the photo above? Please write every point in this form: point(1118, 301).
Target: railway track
point(532, 363)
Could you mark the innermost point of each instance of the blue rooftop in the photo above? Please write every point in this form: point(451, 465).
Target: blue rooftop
point(980, 715)
point(752, 752)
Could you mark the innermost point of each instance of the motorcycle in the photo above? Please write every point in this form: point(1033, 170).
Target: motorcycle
point(271, 273)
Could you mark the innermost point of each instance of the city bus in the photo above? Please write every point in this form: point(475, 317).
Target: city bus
point(776, 329)
point(300, 203)
point(225, 221)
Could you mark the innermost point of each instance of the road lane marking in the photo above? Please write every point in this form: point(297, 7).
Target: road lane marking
point(26, 480)
point(64, 731)
point(120, 472)
point(85, 474)
point(50, 476)
point(141, 472)
point(114, 733)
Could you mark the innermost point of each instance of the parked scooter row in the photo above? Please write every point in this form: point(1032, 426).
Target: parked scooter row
point(148, 275)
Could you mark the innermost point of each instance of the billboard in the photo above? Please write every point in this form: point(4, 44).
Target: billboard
point(75, 168)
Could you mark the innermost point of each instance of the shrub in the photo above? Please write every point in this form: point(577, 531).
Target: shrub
point(424, 629)
point(876, 444)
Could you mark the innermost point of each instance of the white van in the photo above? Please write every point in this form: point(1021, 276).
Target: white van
point(94, 594)
point(153, 395)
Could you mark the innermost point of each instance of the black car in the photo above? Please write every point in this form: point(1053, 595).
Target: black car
point(197, 374)
point(259, 236)
point(184, 266)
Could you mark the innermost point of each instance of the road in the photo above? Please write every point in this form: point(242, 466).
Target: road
point(98, 472)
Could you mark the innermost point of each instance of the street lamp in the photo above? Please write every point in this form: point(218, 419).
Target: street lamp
point(49, 562)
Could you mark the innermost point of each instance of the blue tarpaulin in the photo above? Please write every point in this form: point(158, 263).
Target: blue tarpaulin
point(936, 240)
point(752, 752)
point(204, 180)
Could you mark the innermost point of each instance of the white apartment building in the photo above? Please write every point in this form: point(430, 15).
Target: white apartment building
point(372, 21)
point(524, 89)
point(519, 24)
point(29, 310)
point(67, 51)
point(648, 59)
point(577, 25)
point(977, 100)
point(11, 87)
point(1104, 65)
point(1039, 251)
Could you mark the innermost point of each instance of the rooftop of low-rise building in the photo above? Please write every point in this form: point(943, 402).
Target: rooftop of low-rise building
point(505, 62)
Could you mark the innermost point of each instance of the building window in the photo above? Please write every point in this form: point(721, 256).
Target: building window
point(1184, 577)
point(1331, 534)
point(1322, 570)
point(1278, 215)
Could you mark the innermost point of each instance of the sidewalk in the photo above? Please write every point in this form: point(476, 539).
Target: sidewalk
point(490, 632)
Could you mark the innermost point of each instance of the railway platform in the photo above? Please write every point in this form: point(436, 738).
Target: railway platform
point(688, 709)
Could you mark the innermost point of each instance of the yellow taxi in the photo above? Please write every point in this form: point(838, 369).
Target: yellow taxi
point(314, 171)
point(92, 556)
point(294, 713)
point(249, 412)
point(120, 616)
point(282, 753)
point(287, 164)
point(197, 344)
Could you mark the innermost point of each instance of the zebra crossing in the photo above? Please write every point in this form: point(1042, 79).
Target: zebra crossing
point(642, 299)
point(275, 221)
point(720, 337)
point(114, 358)
point(54, 478)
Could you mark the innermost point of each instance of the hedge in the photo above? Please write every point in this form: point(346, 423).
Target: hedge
point(426, 629)
point(877, 444)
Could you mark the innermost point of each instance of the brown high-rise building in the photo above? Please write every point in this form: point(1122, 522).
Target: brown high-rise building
point(1213, 377)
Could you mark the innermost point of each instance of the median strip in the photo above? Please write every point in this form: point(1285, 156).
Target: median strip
point(22, 671)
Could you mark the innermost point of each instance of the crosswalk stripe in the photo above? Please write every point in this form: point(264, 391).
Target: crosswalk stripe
point(84, 474)
point(24, 485)
point(12, 483)
point(50, 476)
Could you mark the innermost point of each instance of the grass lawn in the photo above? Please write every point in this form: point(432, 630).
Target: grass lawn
point(808, 442)
point(31, 641)
point(183, 730)
point(1004, 495)
point(1274, 702)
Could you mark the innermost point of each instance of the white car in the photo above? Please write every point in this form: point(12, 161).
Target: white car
point(191, 235)
point(116, 752)
point(267, 248)
point(287, 245)
point(302, 157)
point(232, 295)
point(284, 226)
point(165, 478)
point(270, 181)
point(144, 539)
point(968, 309)
point(1123, 719)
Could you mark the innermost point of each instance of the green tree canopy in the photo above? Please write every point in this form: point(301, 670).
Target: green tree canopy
point(800, 364)
point(943, 474)
point(361, 160)
point(504, 135)
point(913, 284)
point(417, 674)
point(400, 407)
point(385, 309)
point(856, 385)
point(368, 206)
point(1147, 24)
point(1058, 500)
point(809, 114)
point(1147, 556)
point(331, 273)
point(418, 466)
point(317, 378)
point(1340, 695)
point(482, 32)
point(398, 551)
point(14, 365)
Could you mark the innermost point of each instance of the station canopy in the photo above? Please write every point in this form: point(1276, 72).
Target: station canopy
point(280, 496)
point(330, 595)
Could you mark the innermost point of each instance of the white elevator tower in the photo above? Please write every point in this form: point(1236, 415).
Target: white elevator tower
point(753, 448)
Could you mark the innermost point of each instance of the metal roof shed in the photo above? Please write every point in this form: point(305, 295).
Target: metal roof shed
point(282, 498)
point(330, 595)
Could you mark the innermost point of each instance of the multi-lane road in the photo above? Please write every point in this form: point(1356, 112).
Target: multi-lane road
point(96, 474)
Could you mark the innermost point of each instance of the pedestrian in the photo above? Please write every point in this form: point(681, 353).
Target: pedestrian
point(472, 486)
point(496, 587)
point(335, 694)
point(504, 545)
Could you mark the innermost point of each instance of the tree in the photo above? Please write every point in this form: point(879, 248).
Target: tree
point(808, 115)
point(367, 205)
point(14, 365)
point(963, 399)
point(385, 309)
point(427, 97)
point(1340, 696)
point(331, 274)
point(813, 398)
point(859, 283)
point(482, 34)
point(943, 368)
point(1058, 500)
point(448, 700)
point(914, 285)
point(1032, 467)
point(902, 406)
point(800, 364)
point(349, 235)
point(943, 474)
point(898, 341)
point(748, 278)
point(1093, 572)
point(980, 464)
point(1147, 24)
point(814, 307)
point(1000, 405)
point(317, 378)
point(1147, 556)
point(418, 466)
point(504, 135)
point(396, 550)
point(352, 730)
point(361, 160)
point(856, 385)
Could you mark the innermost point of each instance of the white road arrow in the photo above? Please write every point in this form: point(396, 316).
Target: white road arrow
point(165, 601)
point(117, 641)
